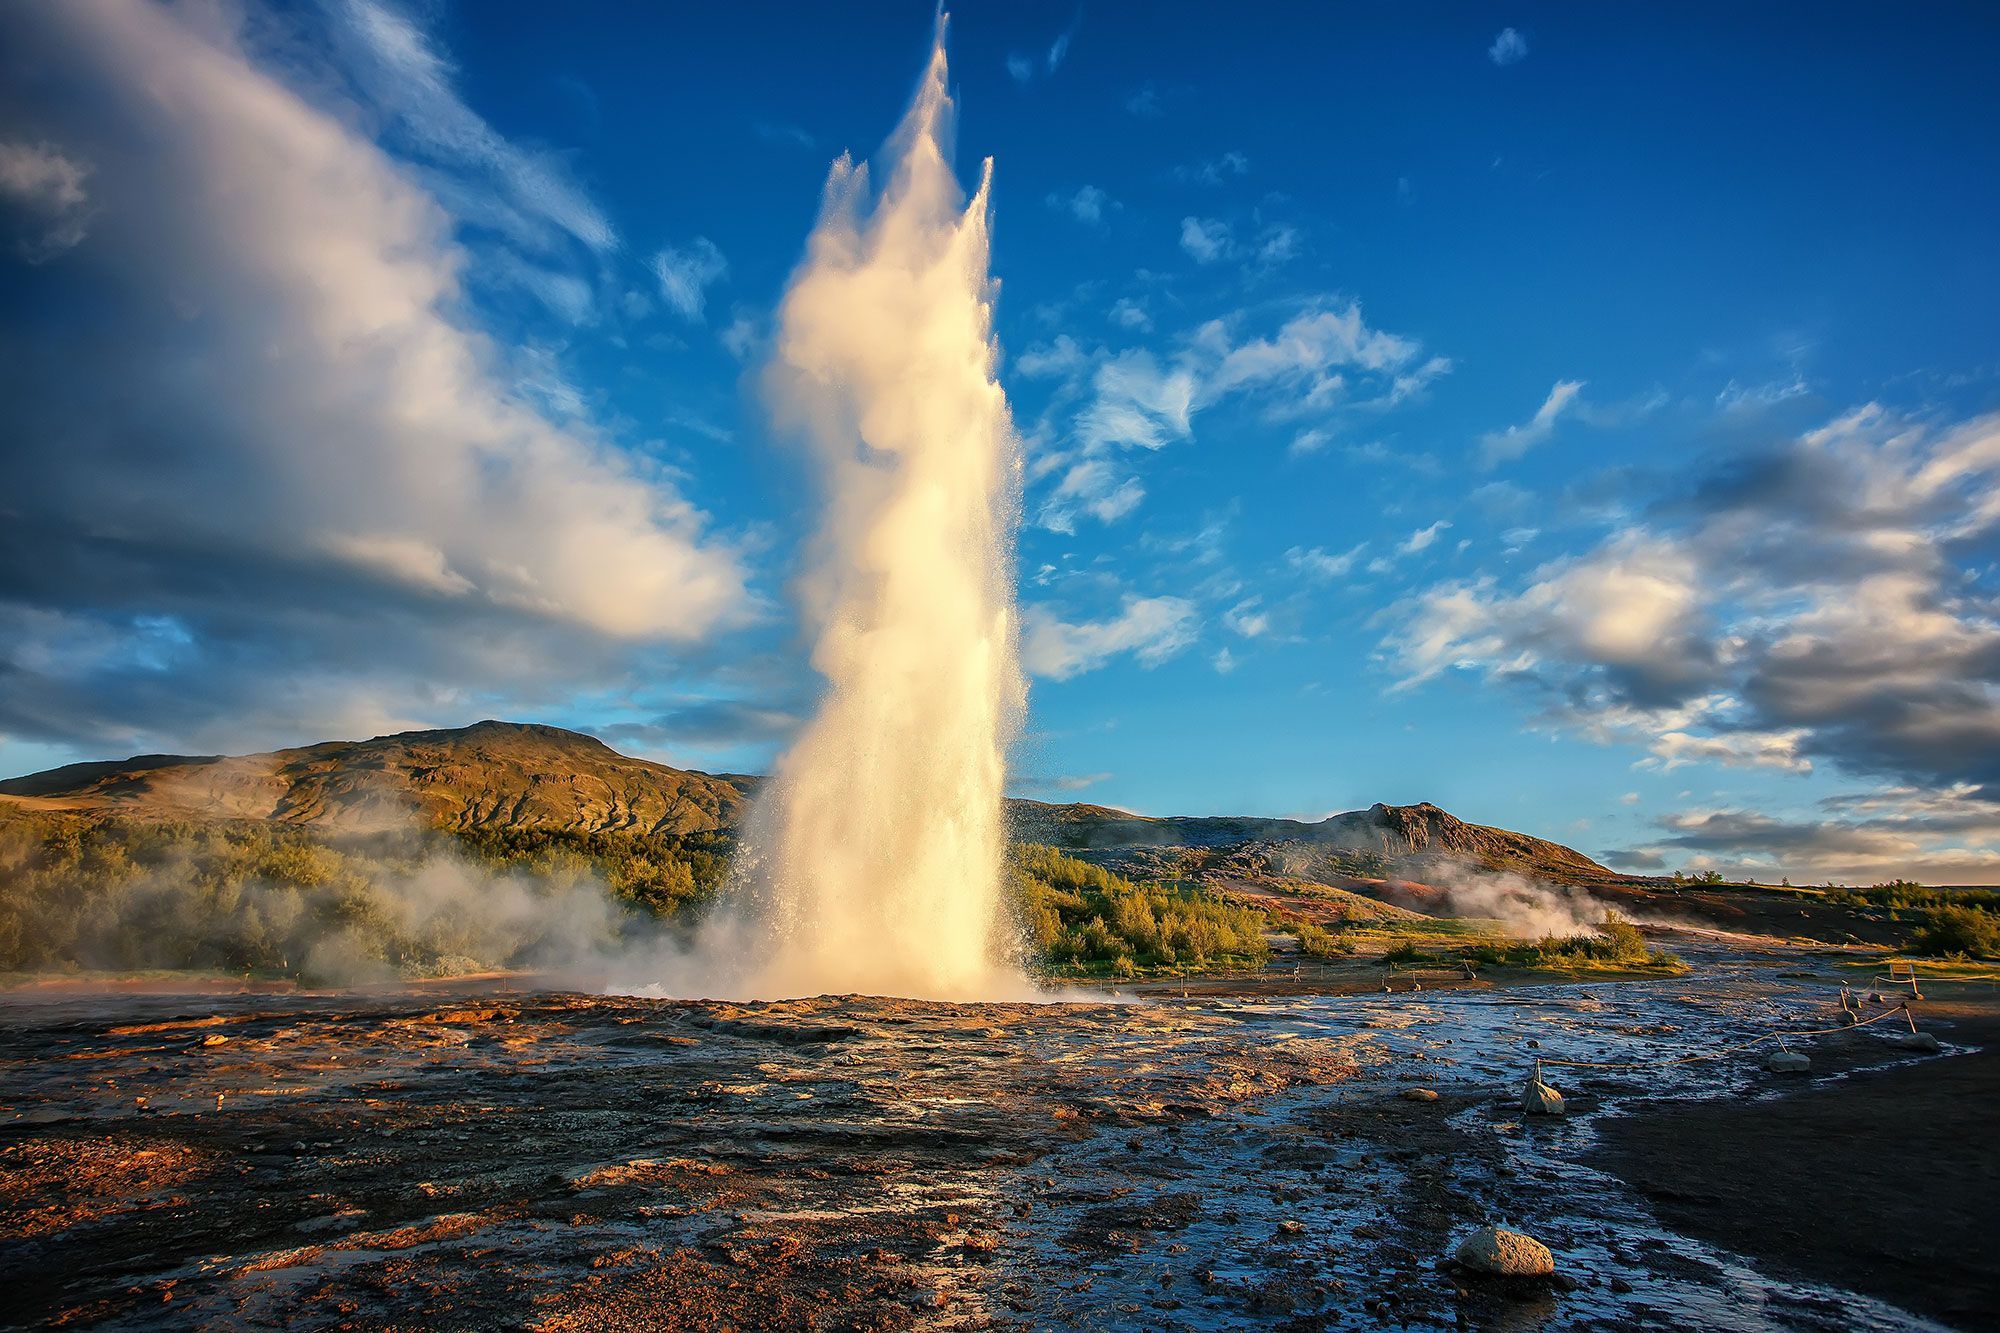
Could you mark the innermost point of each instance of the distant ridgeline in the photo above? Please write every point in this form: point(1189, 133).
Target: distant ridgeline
point(246, 862)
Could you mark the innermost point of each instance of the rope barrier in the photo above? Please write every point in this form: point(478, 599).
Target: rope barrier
point(1728, 1050)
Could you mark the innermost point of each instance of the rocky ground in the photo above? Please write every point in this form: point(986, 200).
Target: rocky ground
point(496, 1157)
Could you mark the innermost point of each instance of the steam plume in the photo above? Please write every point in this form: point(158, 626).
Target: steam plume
point(876, 854)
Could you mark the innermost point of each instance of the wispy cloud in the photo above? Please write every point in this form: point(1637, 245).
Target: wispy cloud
point(1316, 563)
point(1024, 69)
point(1502, 446)
point(687, 273)
point(1509, 48)
point(1321, 360)
point(45, 189)
point(405, 73)
point(1087, 205)
point(1422, 539)
point(1215, 170)
point(1145, 103)
point(1152, 629)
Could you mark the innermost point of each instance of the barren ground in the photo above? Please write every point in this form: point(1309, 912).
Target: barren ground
point(489, 1156)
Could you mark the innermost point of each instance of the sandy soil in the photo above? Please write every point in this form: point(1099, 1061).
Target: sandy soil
point(490, 1158)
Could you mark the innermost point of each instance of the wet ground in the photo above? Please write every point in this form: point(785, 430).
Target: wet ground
point(570, 1161)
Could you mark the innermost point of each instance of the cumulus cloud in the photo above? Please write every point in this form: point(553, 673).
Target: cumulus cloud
point(1152, 629)
point(687, 273)
point(1816, 600)
point(266, 466)
point(1504, 446)
point(44, 190)
point(1940, 836)
point(1509, 48)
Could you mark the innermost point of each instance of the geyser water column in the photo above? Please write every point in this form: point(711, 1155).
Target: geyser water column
point(877, 852)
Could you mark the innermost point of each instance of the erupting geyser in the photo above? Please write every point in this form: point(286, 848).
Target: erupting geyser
point(876, 854)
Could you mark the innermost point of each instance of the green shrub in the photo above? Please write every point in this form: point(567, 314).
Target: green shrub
point(1318, 942)
point(1952, 929)
point(1079, 916)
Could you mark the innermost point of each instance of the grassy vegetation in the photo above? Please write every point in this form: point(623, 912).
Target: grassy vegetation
point(1618, 946)
point(1083, 920)
point(1903, 893)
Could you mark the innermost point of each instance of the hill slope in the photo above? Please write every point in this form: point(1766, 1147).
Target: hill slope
point(504, 775)
point(488, 775)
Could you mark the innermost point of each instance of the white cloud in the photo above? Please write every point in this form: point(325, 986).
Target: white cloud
point(1138, 403)
point(1247, 619)
point(405, 74)
point(1206, 239)
point(1129, 314)
point(1277, 245)
point(334, 441)
point(1057, 359)
point(1314, 562)
point(741, 336)
point(1215, 170)
point(1509, 48)
point(1088, 205)
point(1503, 446)
point(1020, 68)
point(1145, 103)
point(1421, 539)
point(1153, 629)
point(1309, 441)
point(46, 188)
point(1312, 364)
point(687, 273)
point(1810, 601)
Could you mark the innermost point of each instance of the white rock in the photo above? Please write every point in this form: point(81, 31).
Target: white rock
point(1920, 1041)
point(1538, 1098)
point(1788, 1062)
point(1505, 1254)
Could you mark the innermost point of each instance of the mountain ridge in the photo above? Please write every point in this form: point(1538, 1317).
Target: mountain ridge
point(495, 774)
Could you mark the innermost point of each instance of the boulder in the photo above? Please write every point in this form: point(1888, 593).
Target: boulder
point(1503, 1253)
point(1788, 1062)
point(1920, 1041)
point(1419, 1095)
point(1538, 1098)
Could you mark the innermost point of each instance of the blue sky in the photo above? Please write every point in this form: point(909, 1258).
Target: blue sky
point(1580, 417)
